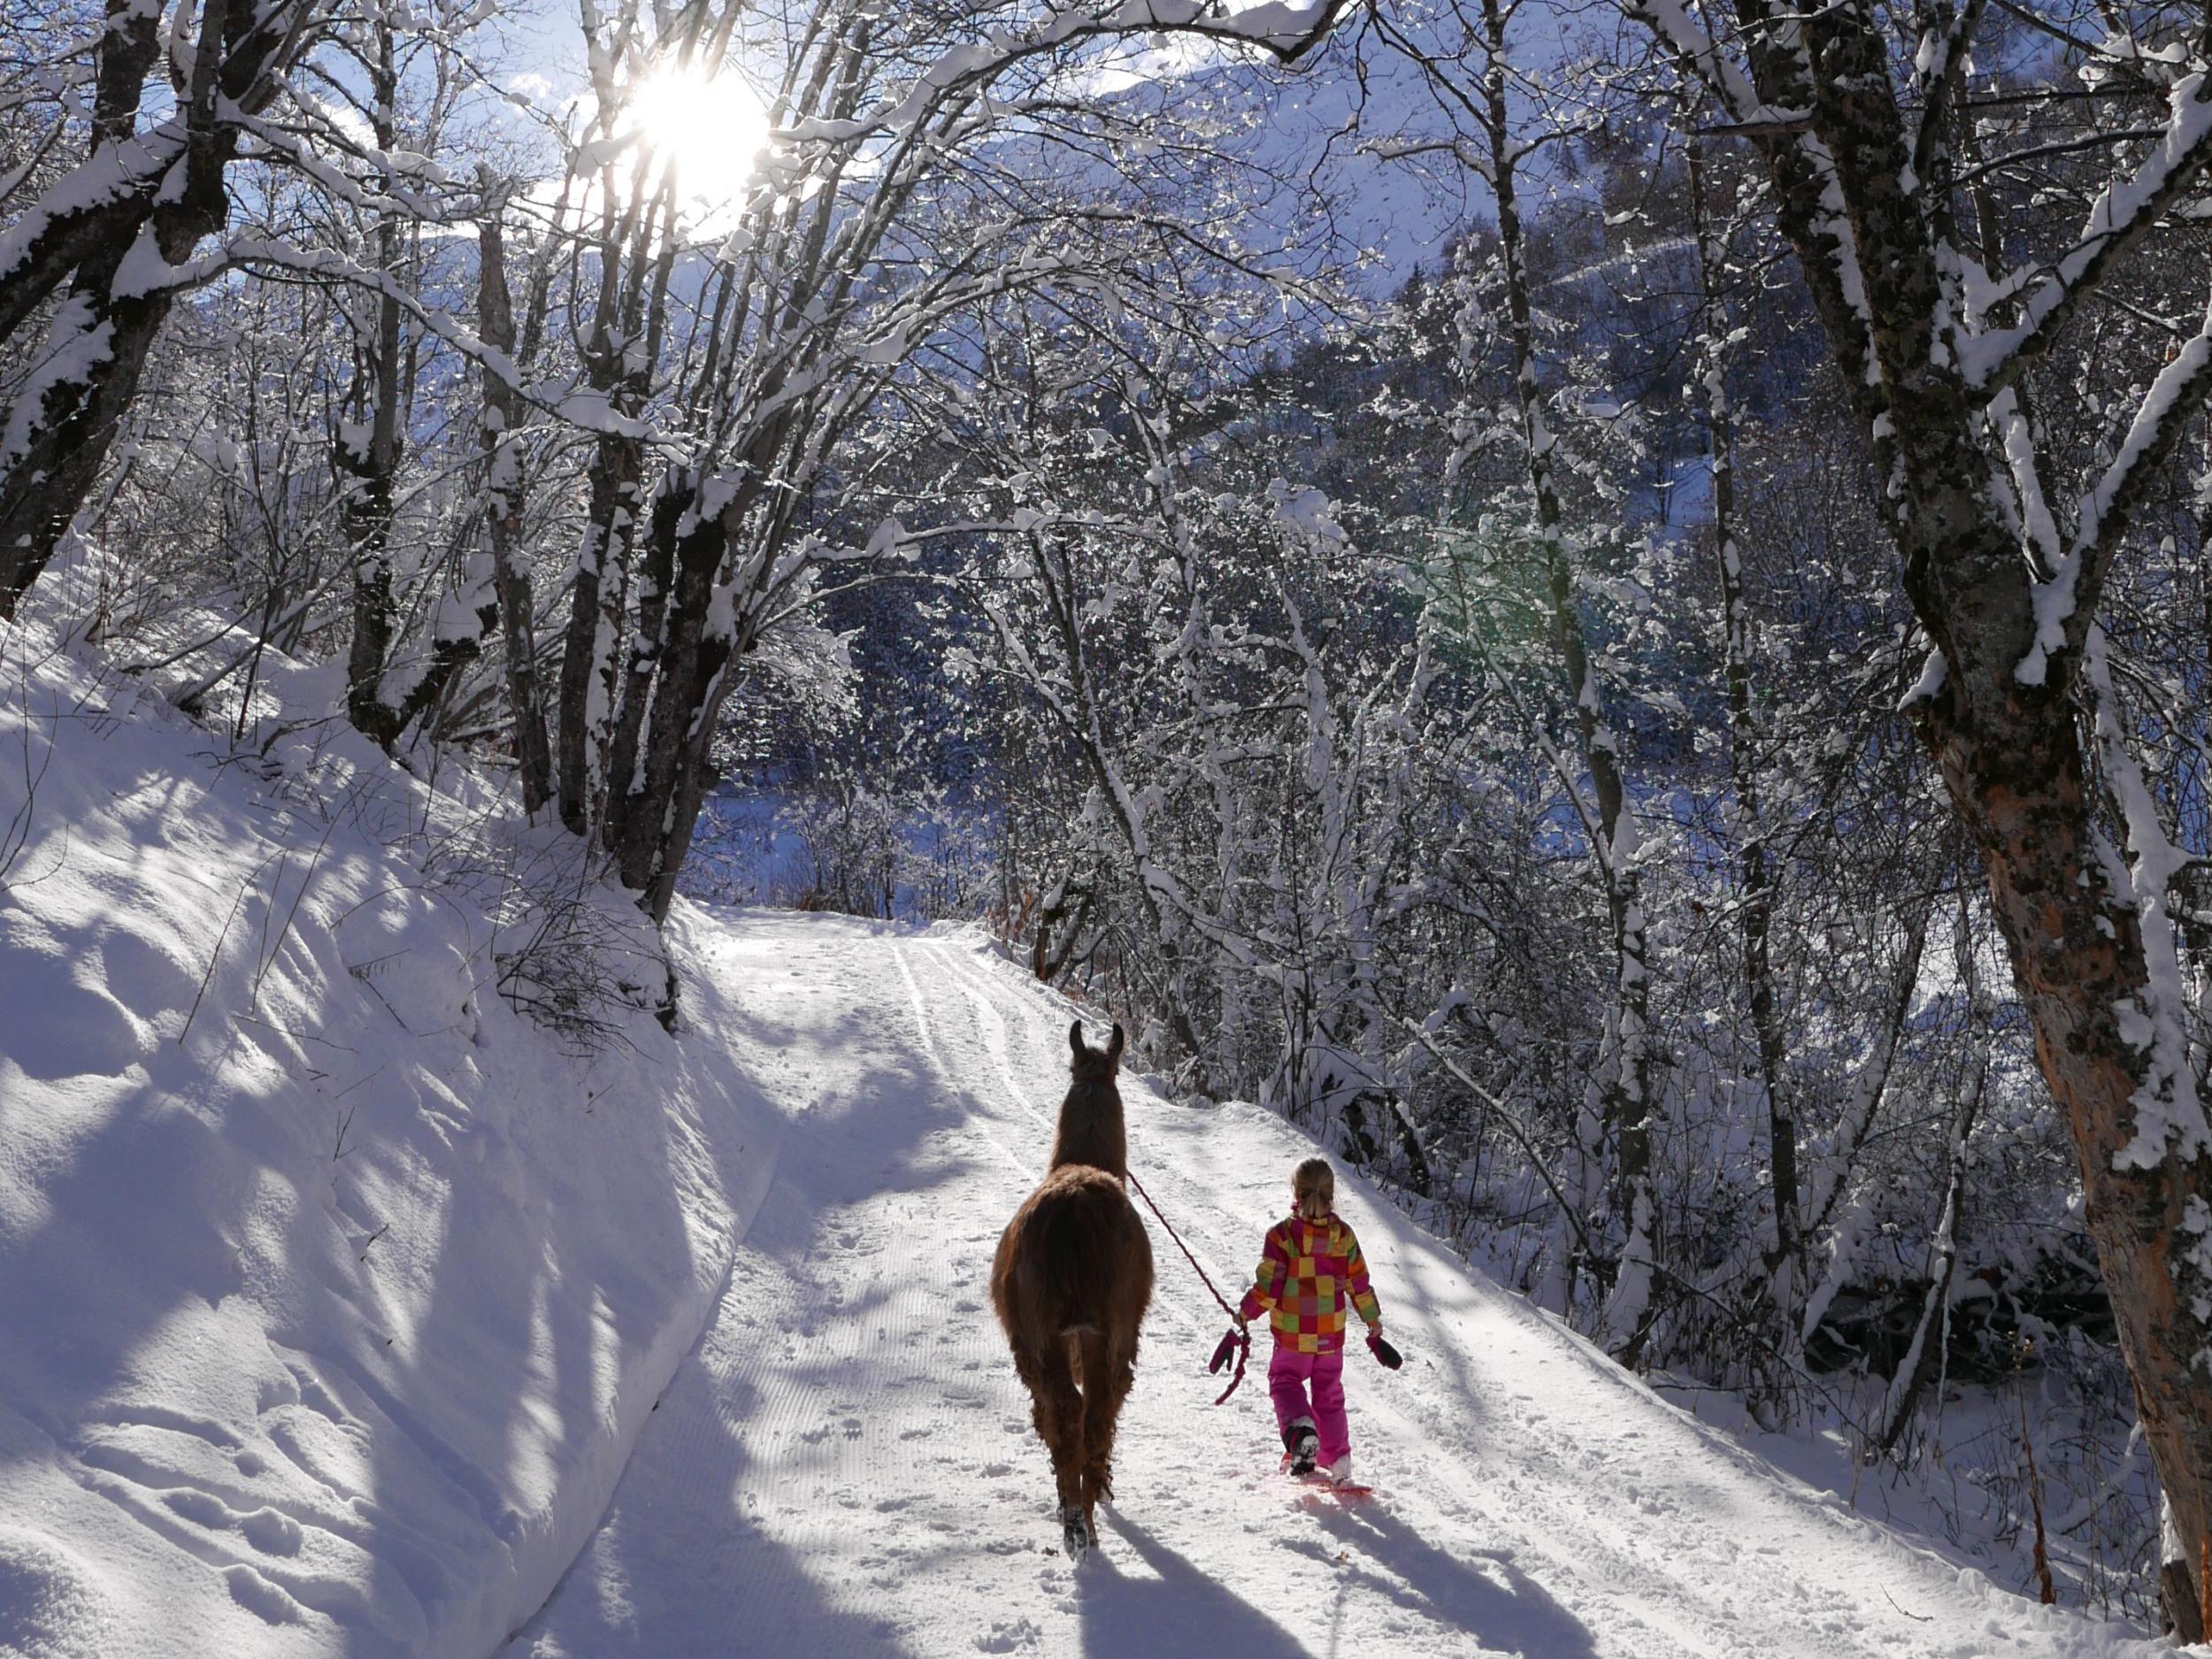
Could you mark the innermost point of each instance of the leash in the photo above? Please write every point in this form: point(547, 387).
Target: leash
point(1241, 1338)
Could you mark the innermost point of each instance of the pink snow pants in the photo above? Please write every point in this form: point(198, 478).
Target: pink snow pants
point(1287, 1375)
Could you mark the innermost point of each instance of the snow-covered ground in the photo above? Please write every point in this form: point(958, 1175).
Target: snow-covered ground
point(846, 1465)
point(337, 1295)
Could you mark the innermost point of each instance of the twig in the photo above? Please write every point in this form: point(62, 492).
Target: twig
point(307, 877)
point(217, 954)
point(359, 1081)
point(2046, 1592)
point(1924, 1618)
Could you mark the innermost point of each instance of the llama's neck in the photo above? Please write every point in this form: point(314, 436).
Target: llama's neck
point(1091, 1130)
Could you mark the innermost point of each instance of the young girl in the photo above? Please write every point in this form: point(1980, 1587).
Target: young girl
point(1309, 1264)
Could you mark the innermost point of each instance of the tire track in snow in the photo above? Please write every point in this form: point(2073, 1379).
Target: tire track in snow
point(927, 1033)
point(982, 998)
point(982, 1007)
point(849, 1409)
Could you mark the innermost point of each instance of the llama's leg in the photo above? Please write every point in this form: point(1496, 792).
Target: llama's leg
point(1032, 1371)
point(1059, 1413)
point(1109, 1371)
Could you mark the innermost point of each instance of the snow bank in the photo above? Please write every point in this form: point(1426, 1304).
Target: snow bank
point(334, 1290)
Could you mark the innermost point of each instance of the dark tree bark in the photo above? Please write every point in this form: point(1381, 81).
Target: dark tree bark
point(504, 495)
point(609, 527)
point(621, 357)
point(652, 826)
point(109, 239)
point(366, 454)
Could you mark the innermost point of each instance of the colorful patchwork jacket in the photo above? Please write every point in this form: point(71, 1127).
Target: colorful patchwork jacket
point(1307, 1270)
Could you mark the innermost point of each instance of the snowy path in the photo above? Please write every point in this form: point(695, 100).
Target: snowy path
point(846, 1465)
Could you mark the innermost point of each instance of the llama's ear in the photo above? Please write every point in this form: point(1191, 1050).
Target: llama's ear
point(1075, 1039)
point(1113, 1048)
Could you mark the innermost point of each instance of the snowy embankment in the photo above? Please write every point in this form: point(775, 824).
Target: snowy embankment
point(845, 1466)
point(334, 1294)
point(333, 1291)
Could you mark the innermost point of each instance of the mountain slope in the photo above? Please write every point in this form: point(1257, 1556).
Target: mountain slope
point(845, 1466)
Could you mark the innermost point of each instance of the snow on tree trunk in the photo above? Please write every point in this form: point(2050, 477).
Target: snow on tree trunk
point(367, 447)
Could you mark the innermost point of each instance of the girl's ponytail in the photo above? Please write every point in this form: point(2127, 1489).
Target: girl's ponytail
point(1313, 1187)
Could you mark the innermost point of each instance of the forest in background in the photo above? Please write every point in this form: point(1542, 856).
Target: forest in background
point(1669, 728)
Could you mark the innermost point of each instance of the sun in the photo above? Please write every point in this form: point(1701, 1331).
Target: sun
point(712, 128)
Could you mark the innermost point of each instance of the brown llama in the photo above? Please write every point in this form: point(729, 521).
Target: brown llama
point(1070, 1282)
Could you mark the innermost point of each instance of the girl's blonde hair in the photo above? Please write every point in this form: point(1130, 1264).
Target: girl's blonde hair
point(1313, 1185)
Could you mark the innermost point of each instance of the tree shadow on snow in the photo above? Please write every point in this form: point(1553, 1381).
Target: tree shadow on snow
point(1183, 1614)
point(731, 1588)
point(853, 1148)
point(685, 1563)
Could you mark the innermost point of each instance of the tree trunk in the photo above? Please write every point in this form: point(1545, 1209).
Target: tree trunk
point(502, 520)
point(610, 521)
point(647, 644)
point(659, 800)
point(366, 454)
point(68, 426)
point(112, 239)
point(2015, 774)
point(1624, 1071)
point(1755, 885)
point(1912, 1375)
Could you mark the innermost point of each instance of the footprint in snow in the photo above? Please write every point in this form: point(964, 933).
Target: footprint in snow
point(270, 1531)
point(1009, 1636)
point(258, 1596)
